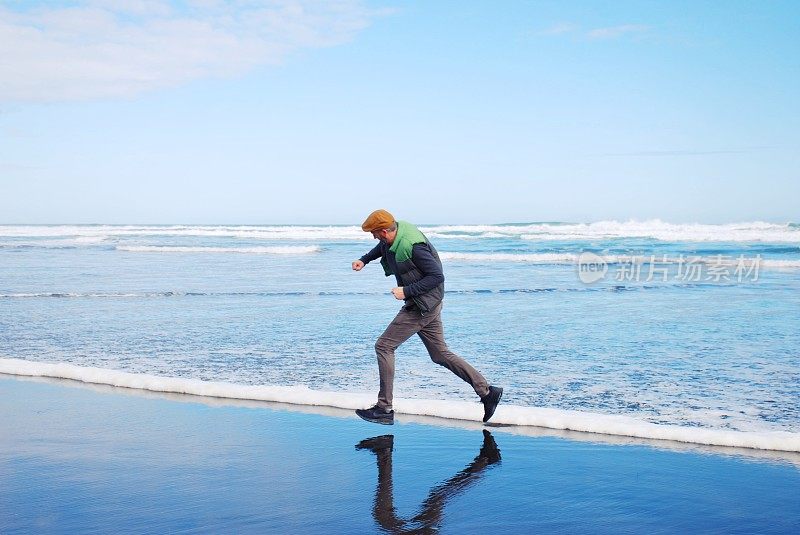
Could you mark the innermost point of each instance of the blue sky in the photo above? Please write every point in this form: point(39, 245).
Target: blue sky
point(147, 111)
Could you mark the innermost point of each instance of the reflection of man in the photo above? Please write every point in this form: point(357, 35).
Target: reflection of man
point(430, 515)
point(408, 255)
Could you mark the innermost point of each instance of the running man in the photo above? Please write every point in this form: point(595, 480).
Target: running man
point(407, 254)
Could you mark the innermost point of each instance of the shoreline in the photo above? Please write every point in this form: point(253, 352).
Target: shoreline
point(625, 427)
point(792, 458)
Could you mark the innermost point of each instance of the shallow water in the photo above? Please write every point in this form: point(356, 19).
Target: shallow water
point(280, 306)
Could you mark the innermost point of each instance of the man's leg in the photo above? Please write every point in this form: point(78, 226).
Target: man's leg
point(402, 327)
point(433, 337)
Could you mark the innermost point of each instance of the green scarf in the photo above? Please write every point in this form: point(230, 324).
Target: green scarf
point(403, 244)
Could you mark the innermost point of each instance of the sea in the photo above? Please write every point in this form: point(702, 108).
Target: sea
point(693, 328)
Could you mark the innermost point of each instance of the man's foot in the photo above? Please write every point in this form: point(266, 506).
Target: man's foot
point(489, 450)
point(490, 401)
point(376, 415)
point(379, 444)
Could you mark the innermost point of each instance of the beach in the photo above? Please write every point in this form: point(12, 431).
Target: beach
point(203, 379)
point(580, 314)
point(84, 458)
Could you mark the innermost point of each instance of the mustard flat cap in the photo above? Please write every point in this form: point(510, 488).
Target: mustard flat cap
point(379, 219)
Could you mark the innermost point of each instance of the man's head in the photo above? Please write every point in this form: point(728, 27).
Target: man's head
point(382, 226)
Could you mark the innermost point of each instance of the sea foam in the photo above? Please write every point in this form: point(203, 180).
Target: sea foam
point(753, 231)
point(604, 424)
point(572, 258)
point(299, 249)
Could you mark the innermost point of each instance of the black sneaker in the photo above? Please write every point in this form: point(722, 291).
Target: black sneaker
point(489, 450)
point(490, 401)
point(381, 444)
point(376, 415)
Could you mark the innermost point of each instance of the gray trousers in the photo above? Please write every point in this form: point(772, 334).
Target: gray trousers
point(430, 330)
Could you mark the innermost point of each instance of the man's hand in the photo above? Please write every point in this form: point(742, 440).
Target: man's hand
point(398, 293)
point(358, 265)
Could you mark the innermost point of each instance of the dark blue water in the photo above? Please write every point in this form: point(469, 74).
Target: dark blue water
point(77, 461)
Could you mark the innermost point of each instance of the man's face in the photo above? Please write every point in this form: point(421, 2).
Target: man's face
point(380, 235)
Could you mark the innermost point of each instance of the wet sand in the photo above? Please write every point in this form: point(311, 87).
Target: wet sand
point(85, 459)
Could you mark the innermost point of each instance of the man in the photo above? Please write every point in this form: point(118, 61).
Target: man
point(408, 255)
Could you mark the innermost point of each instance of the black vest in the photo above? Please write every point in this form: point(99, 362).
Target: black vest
point(407, 273)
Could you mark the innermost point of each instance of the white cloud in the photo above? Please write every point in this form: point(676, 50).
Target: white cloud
point(119, 48)
point(611, 32)
point(617, 31)
point(559, 29)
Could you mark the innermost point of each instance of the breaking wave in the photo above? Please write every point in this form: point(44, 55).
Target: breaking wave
point(572, 258)
point(295, 249)
point(754, 231)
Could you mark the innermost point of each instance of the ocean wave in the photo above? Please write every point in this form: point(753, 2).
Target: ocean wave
point(534, 258)
point(286, 250)
point(781, 263)
point(143, 295)
point(90, 240)
point(604, 424)
point(573, 258)
point(266, 232)
point(122, 295)
point(29, 245)
point(62, 243)
point(753, 231)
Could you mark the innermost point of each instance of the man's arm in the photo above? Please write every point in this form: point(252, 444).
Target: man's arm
point(432, 275)
point(374, 254)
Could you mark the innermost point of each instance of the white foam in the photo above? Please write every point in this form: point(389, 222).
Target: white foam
point(89, 240)
point(299, 249)
point(781, 263)
point(455, 410)
point(569, 258)
point(58, 243)
point(753, 231)
point(266, 232)
point(72, 294)
point(61, 295)
point(534, 258)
